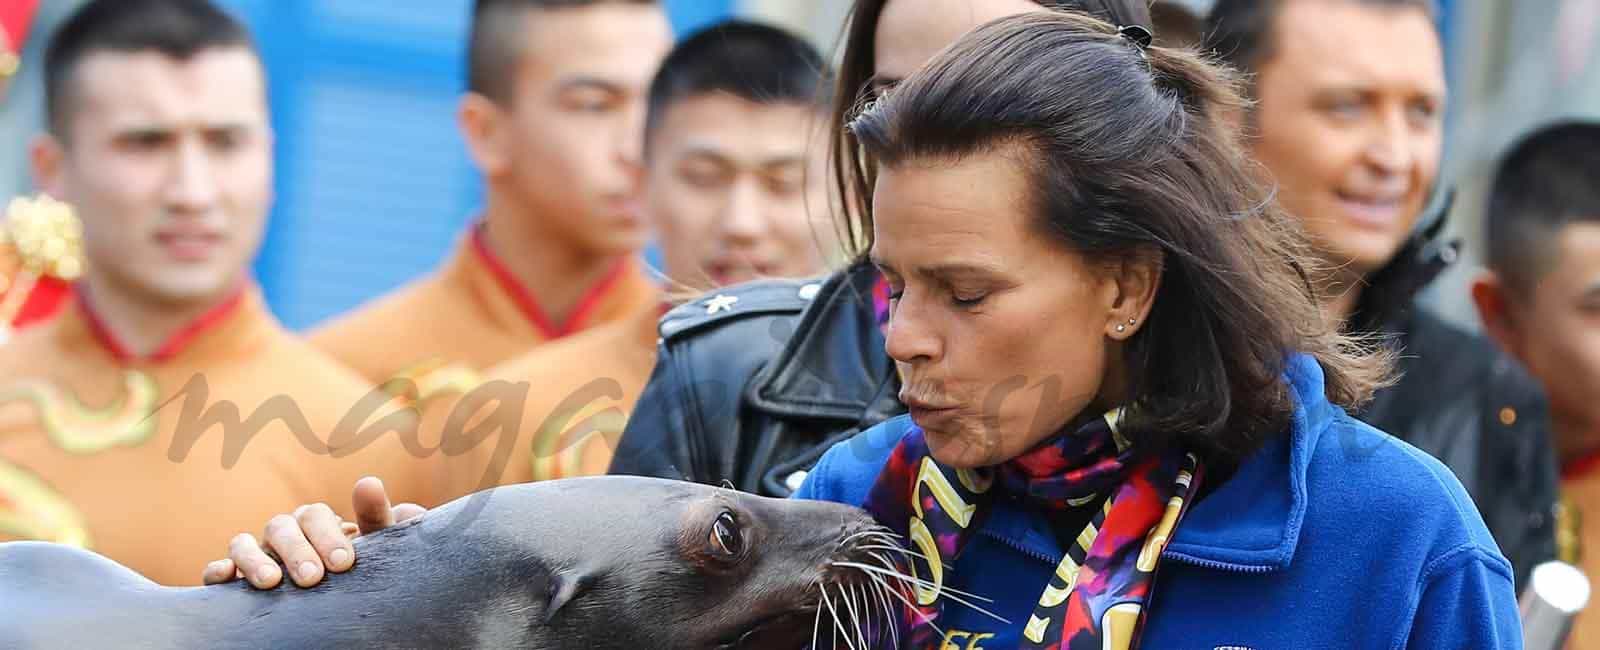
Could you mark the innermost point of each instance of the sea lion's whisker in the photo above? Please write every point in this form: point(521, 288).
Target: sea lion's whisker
point(890, 620)
point(951, 593)
point(816, 621)
point(849, 599)
point(902, 598)
point(838, 626)
point(854, 536)
point(859, 620)
point(901, 551)
point(910, 578)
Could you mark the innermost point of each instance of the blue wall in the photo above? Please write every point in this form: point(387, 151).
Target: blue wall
point(373, 183)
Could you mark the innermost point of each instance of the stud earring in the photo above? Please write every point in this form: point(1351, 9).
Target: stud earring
point(1121, 327)
point(1132, 321)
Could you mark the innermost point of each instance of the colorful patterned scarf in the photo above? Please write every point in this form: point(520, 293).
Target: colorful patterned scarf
point(1098, 592)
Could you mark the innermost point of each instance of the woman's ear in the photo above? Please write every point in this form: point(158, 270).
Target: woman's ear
point(1135, 279)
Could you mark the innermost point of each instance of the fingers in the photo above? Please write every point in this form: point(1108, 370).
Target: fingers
point(252, 561)
point(218, 572)
point(324, 530)
point(406, 511)
point(371, 505)
point(284, 537)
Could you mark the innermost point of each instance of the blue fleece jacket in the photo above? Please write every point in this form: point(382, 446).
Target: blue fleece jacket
point(1333, 535)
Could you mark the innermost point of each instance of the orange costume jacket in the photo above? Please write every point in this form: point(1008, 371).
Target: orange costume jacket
point(145, 460)
point(556, 411)
point(1577, 532)
point(468, 316)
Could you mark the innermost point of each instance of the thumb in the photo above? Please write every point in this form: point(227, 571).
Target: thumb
point(371, 504)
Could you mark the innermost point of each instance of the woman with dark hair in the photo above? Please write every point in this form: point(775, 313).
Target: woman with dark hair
point(1116, 367)
point(753, 393)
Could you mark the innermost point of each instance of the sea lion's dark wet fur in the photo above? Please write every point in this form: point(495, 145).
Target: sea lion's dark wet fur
point(591, 563)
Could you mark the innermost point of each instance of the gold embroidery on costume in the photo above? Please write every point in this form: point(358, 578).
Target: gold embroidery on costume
point(79, 429)
point(1569, 538)
point(29, 509)
point(47, 239)
point(433, 378)
point(557, 450)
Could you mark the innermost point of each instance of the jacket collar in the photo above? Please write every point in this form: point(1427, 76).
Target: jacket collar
point(1385, 304)
point(1249, 524)
point(233, 325)
point(834, 366)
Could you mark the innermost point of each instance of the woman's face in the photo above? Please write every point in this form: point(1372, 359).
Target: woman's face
point(1001, 334)
point(910, 32)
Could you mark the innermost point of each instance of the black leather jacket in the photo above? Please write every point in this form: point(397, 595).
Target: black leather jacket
point(754, 393)
point(1466, 403)
point(754, 382)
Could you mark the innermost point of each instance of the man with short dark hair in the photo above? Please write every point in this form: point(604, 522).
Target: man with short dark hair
point(552, 117)
point(1540, 300)
point(165, 408)
point(734, 179)
point(1348, 124)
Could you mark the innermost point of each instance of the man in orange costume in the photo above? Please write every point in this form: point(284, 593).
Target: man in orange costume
point(119, 416)
point(552, 118)
point(733, 179)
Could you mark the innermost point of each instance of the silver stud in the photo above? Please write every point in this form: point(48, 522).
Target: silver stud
point(1121, 327)
point(720, 303)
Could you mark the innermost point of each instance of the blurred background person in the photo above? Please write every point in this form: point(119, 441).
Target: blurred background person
point(552, 114)
point(119, 416)
point(1540, 300)
point(734, 186)
point(1348, 123)
point(35, 274)
point(735, 189)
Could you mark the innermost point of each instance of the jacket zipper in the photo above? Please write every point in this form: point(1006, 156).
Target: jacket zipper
point(1212, 564)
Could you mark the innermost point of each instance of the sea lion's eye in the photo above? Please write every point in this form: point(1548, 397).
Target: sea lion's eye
point(725, 535)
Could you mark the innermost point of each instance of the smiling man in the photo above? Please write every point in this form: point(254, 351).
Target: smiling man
point(1348, 123)
point(164, 409)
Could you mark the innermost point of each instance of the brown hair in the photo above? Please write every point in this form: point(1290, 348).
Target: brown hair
point(1126, 156)
point(1239, 32)
point(852, 173)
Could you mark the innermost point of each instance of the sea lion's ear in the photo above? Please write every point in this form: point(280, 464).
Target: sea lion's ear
point(564, 587)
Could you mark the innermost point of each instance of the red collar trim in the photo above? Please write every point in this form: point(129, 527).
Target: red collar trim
point(15, 19)
point(174, 345)
point(46, 298)
point(529, 304)
point(1580, 466)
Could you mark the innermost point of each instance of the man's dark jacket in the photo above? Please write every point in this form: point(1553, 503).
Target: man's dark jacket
point(755, 382)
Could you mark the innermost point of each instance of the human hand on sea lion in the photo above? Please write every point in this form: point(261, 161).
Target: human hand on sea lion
point(312, 540)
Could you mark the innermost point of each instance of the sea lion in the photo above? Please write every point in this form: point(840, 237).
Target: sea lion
point(590, 563)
